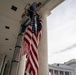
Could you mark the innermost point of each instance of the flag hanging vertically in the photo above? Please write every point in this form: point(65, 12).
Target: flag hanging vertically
point(27, 40)
point(32, 37)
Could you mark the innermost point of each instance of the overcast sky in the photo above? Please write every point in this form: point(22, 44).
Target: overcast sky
point(62, 33)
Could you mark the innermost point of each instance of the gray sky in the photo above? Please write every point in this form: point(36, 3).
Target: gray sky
point(62, 33)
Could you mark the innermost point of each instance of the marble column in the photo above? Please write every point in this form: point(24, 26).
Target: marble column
point(58, 72)
point(16, 57)
point(53, 72)
point(63, 72)
point(22, 65)
point(43, 51)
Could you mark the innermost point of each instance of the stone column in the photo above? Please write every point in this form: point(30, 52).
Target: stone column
point(53, 72)
point(22, 65)
point(63, 72)
point(43, 51)
point(16, 56)
point(58, 72)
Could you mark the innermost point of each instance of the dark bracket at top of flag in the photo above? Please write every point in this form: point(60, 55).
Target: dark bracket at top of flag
point(26, 20)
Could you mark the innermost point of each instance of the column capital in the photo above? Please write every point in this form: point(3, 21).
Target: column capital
point(43, 11)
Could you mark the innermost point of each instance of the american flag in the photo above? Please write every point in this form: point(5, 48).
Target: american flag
point(31, 42)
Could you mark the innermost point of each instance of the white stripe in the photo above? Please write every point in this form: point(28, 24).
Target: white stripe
point(35, 69)
point(35, 38)
point(35, 49)
point(28, 38)
point(35, 59)
point(28, 32)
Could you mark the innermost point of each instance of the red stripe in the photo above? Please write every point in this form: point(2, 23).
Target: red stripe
point(27, 34)
point(33, 60)
point(28, 29)
point(34, 52)
point(27, 41)
point(29, 69)
point(34, 42)
point(32, 69)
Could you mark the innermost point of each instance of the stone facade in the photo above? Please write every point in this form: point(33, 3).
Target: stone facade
point(68, 68)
